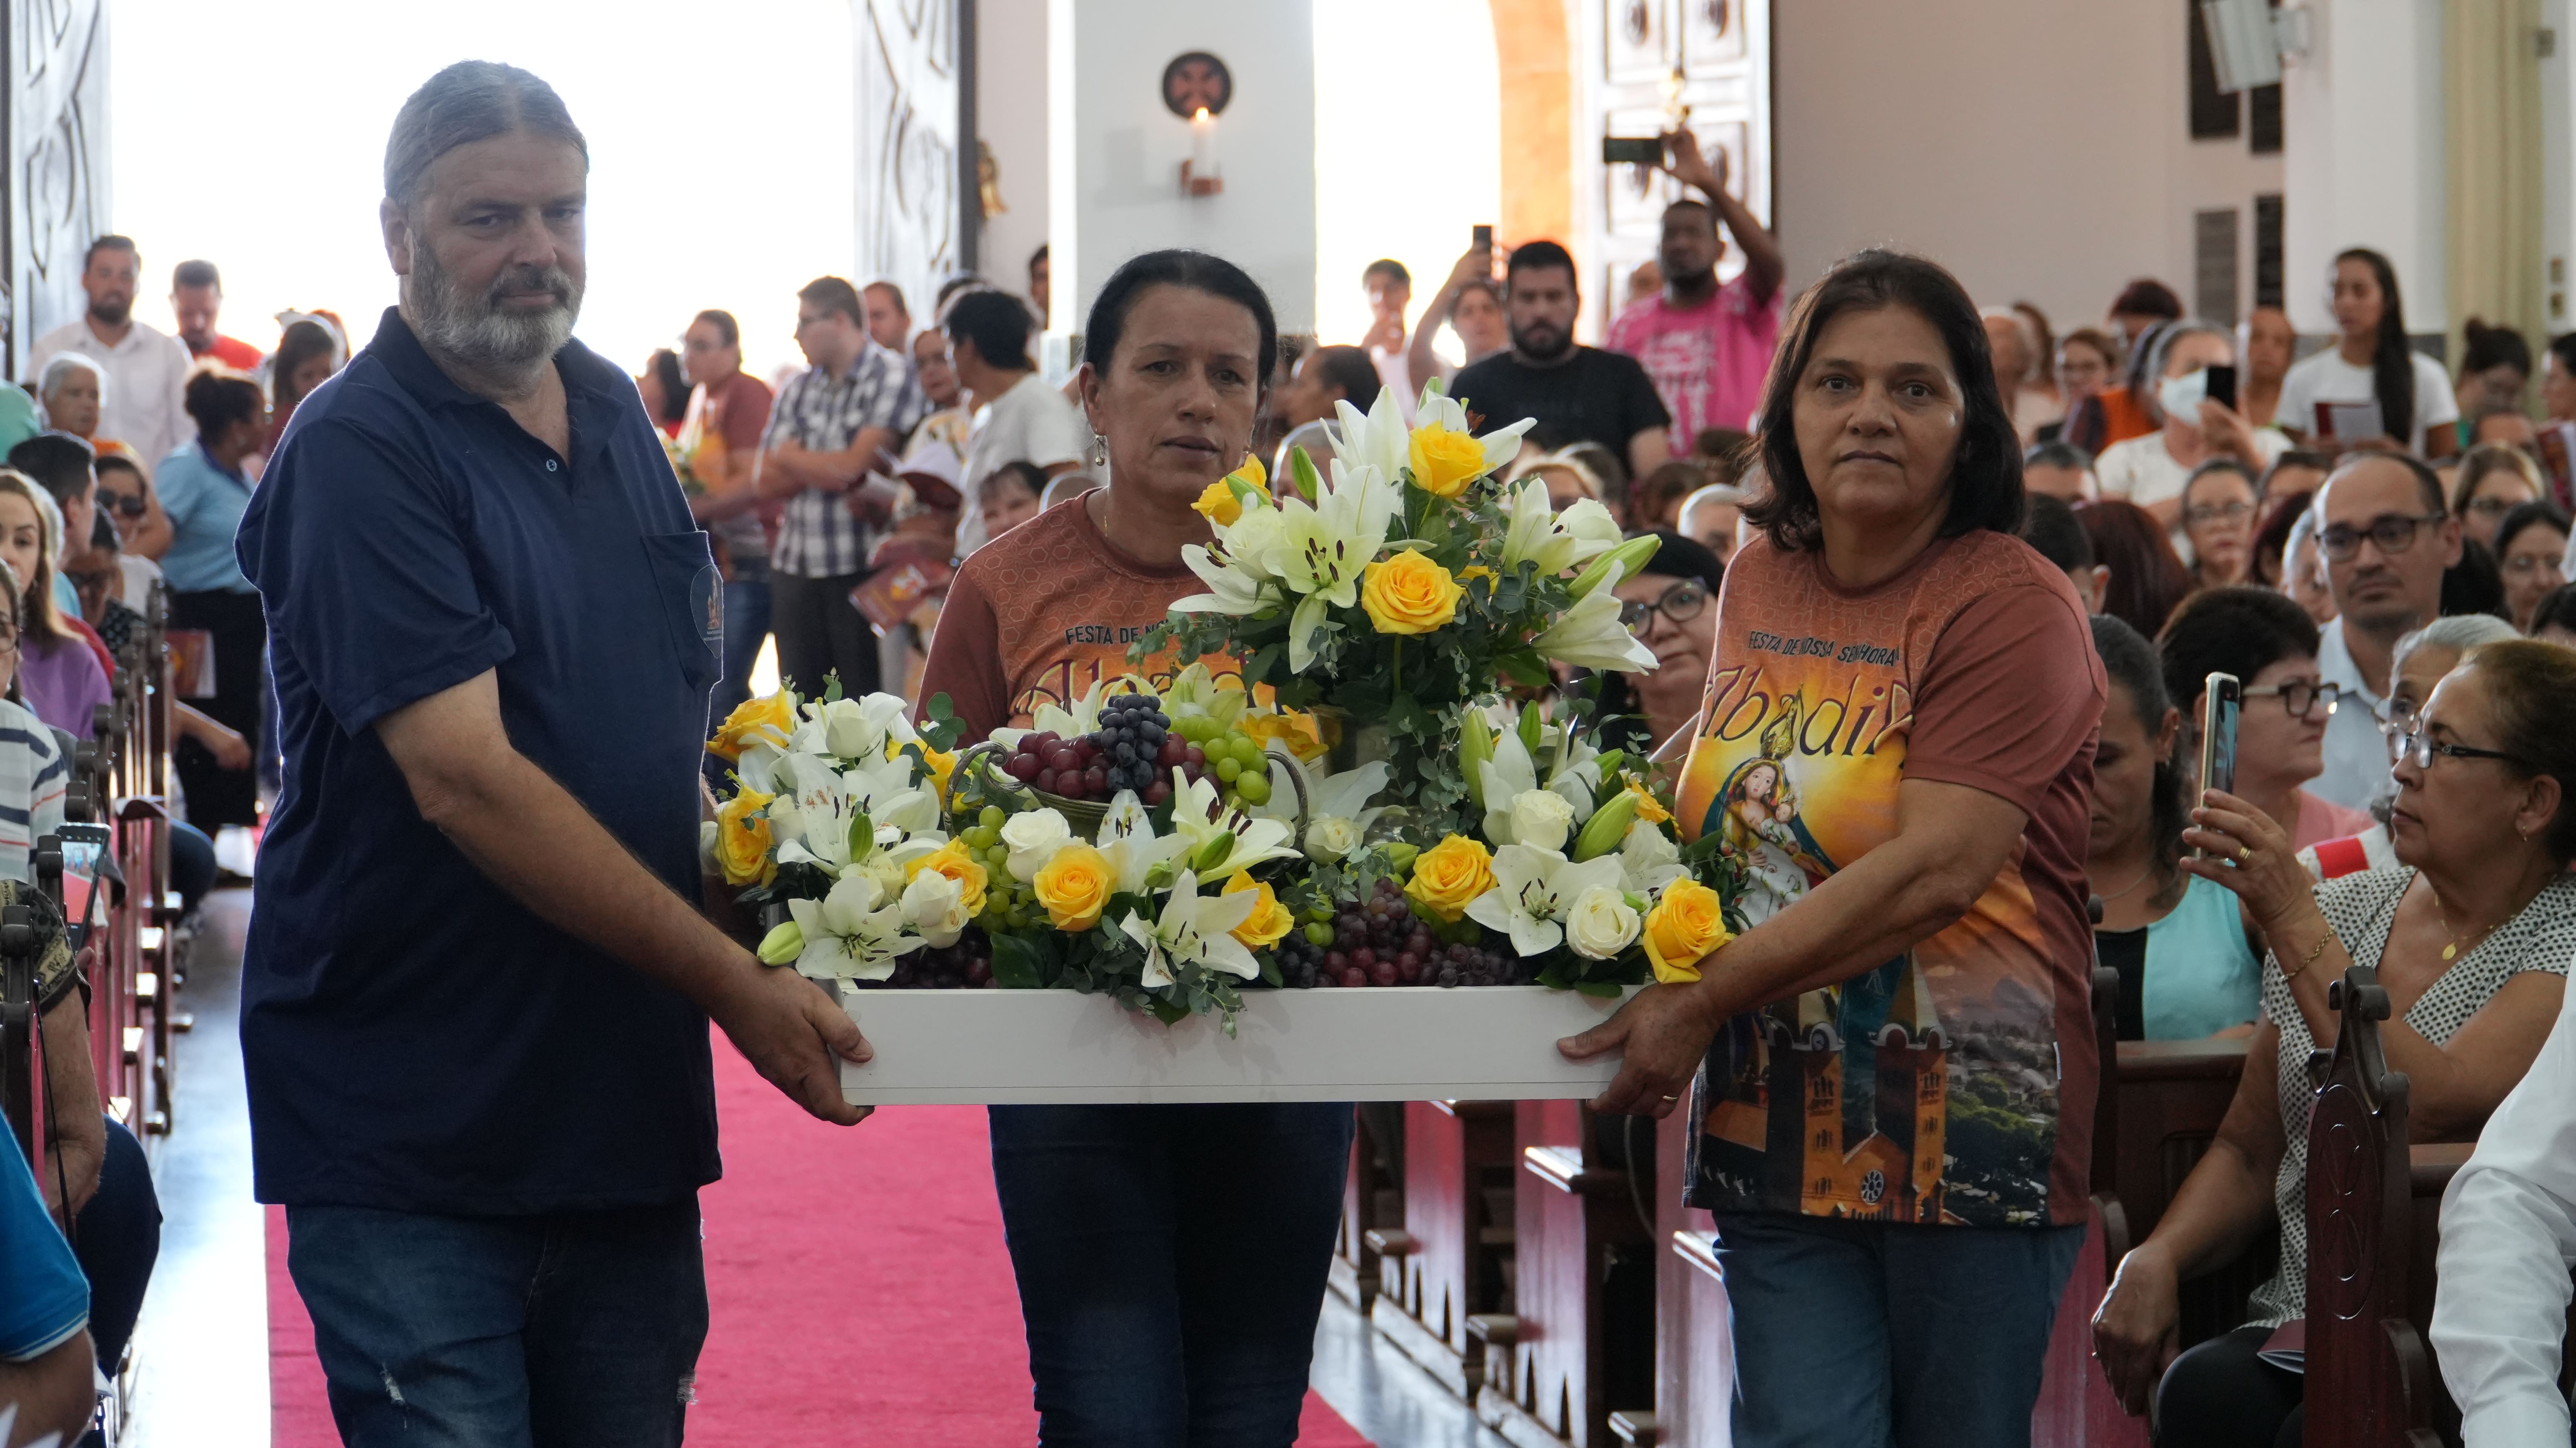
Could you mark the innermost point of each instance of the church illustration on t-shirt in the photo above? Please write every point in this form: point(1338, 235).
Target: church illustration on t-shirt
point(1883, 1097)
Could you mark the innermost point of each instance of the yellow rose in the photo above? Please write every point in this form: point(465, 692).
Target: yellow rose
point(1074, 886)
point(1269, 921)
point(751, 721)
point(1409, 594)
point(743, 842)
point(1445, 462)
point(942, 767)
point(1649, 808)
point(1472, 572)
point(1685, 925)
point(952, 861)
point(1449, 876)
point(1218, 504)
point(1300, 732)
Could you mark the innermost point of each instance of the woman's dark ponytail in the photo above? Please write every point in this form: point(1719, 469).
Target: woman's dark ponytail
point(2392, 360)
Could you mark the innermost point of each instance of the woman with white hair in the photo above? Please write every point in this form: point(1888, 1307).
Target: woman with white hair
point(2417, 663)
point(1712, 515)
point(72, 390)
point(2191, 428)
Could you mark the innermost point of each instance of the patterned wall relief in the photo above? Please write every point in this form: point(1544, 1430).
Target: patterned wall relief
point(907, 99)
point(57, 147)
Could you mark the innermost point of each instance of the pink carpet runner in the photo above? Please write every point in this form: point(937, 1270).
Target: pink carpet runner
point(858, 1290)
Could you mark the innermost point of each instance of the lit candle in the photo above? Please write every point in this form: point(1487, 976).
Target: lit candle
point(1202, 142)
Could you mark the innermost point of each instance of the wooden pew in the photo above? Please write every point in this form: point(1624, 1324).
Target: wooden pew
point(1372, 1202)
point(22, 1041)
point(1580, 1341)
point(2370, 1378)
point(1451, 1258)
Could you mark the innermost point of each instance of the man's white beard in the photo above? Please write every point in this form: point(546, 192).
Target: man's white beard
point(476, 333)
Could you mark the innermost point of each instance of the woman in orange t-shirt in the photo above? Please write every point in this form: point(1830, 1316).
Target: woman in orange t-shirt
point(1890, 1068)
point(1170, 1259)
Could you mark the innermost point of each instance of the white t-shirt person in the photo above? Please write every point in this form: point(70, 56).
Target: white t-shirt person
point(2143, 469)
point(2326, 377)
point(1031, 423)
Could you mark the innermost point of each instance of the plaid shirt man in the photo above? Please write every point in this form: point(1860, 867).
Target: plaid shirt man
point(818, 537)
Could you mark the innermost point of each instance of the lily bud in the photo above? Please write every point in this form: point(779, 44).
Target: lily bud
point(783, 945)
point(1400, 856)
point(1301, 471)
point(1607, 828)
point(1530, 727)
point(1214, 852)
point(1628, 557)
point(863, 837)
point(1475, 746)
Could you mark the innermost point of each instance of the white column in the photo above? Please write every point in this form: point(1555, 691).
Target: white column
point(2363, 158)
point(1115, 152)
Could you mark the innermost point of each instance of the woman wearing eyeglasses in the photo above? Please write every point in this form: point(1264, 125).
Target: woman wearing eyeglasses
point(2218, 521)
point(1671, 606)
point(2270, 645)
point(2493, 480)
point(2471, 938)
point(2529, 546)
point(2422, 659)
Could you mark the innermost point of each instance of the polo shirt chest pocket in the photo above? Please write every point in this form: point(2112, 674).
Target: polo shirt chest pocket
point(692, 594)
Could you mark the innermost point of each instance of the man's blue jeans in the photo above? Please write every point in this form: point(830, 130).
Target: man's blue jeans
point(571, 1330)
point(746, 623)
point(1171, 1264)
point(1873, 1332)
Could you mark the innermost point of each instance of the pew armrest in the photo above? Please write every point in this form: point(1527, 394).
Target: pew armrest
point(1494, 1329)
point(2431, 1166)
point(1389, 1241)
point(1563, 1168)
point(1634, 1427)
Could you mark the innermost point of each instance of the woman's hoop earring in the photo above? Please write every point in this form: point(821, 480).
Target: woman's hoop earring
point(1099, 454)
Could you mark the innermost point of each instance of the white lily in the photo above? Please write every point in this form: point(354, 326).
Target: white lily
point(1197, 820)
point(1324, 549)
point(1590, 635)
point(1231, 589)
point(1195, 929)
point(1572, 776)
point(1080, 716)
point(1649, 859)
point(1128, 840)
point(1338, 812)
point(864, 728)
point(1532, 890)
point(850, 934)
point(1376, 438)
point(1537, 534)
point(817, 803)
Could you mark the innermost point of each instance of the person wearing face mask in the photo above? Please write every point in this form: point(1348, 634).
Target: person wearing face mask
point(1170, 1259)
point(2190, 428)
point(2178, 942)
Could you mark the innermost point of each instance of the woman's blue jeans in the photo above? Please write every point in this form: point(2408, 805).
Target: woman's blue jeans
point(1879, 1332)
point(1171, 1264)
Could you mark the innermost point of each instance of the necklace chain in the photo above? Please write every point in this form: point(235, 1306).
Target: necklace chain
point(2452, 950)
point(2133, 884)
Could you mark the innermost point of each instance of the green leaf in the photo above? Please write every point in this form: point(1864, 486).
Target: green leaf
point(832, 687)
point(1270, 975)
point(1023, 962)
point(1169, 1011)
point(863, 836)
point(1526, 669)
point(1553, 977)
point(1597, 988)
point(939, 723)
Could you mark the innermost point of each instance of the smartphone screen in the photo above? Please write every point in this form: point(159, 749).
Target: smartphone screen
point(2222, 386)
point(1632, 151)
point(2221, 699)
point(1484, 236)
point(84, 856)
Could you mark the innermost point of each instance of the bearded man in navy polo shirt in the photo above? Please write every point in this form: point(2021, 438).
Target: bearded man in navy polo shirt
point(476, 997)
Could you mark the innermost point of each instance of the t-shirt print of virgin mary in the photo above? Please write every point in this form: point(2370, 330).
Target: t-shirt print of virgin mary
point(1929, 1088)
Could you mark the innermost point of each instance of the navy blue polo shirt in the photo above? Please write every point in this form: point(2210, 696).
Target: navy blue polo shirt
point(415, 1038)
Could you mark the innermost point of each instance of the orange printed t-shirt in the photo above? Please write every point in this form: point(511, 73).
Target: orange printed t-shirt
point(1955, 1082)
point(1041, 614)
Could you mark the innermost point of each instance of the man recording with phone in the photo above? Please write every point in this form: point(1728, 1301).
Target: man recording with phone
point(1706, 345)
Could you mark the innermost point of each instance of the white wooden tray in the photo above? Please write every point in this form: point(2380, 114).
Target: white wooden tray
point(1378, 1043)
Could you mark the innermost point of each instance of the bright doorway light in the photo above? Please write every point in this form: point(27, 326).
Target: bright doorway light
point(1408, 151)
point(252, 133)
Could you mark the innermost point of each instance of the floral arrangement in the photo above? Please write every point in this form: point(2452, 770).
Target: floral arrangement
point(1406, 585)
point(1494, 844)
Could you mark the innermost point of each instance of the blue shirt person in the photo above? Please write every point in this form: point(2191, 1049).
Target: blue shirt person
point(44, 1309)
point(204, 499)
point(476, 993)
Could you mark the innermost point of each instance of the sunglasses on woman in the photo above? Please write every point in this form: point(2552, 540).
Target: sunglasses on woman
point(130, 504)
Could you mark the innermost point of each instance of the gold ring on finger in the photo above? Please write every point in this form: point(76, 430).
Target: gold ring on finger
point(2244, 853)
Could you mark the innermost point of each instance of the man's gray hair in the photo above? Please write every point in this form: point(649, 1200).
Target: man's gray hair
point(63, 365)
point(470, 101)
point(2460, 632)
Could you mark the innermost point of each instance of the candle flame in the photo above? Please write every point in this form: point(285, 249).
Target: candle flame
point(1202, 114)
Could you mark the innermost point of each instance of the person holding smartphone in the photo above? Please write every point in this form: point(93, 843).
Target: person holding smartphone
point(1706, 344)
point(2192, 400)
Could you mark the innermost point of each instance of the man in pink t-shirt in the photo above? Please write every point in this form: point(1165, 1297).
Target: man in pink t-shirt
point(1706, 346)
